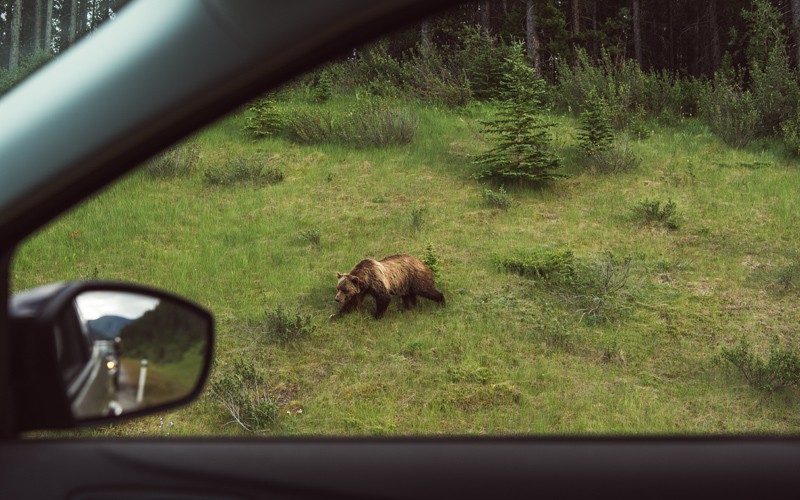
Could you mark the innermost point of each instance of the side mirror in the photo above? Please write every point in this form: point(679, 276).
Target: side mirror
point(88, 351)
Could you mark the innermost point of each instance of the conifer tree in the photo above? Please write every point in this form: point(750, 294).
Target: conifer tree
point(521, 132)
point(264, 119)
point(596, 135)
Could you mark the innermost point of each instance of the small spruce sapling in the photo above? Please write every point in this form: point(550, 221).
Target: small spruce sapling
point(521, 132)
point(596, 136)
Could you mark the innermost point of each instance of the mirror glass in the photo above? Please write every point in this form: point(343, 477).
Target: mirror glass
point(121, 352)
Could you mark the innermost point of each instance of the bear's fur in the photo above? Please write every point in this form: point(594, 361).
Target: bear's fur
point(402, 275)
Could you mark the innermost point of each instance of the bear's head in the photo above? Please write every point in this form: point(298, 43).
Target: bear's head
point(347, 287)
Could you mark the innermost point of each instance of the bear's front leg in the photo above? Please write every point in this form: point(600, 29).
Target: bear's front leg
point(381, 304)
point(347, 307)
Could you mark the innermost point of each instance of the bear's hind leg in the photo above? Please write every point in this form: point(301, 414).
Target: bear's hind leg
point(409, 301)
point(434, 295)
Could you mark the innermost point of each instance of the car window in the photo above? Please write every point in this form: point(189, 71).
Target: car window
point(568, 218)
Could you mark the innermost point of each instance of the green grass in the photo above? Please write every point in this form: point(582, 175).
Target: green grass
point(506, 355)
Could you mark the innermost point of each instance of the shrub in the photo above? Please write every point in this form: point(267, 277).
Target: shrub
point(631, 94)
point(370, 123)
point(729, 111)
point(597, 288)
point(547, 265)
point(381, 73)
point(594, 288)
point(653, 212)
point(27, 65)
point(285, 327)
point(177, 161)
point(313, 236)
point(521, 133)
point(432, 260)
point(437, 78)
point(263, 119)
point(619, 157)
point(244, 170)
point(241, 391)
point(497, 199)
point(310, 126)
point(790, 131)
point(323, 90)
point(418, 216)
point(773, 83)
point(556, 334)
point(780, 369)
point(787, 278)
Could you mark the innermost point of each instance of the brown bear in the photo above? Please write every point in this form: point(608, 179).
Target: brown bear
point(402, 275)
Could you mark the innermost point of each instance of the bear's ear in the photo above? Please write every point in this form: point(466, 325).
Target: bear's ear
point(356, 281)
point(339, 275)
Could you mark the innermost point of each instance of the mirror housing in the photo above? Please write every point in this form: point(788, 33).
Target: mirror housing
point(90, 352)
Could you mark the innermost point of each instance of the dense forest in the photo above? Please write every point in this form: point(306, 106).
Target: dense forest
point(39, 28)
point(680, 36)
point(734, 62)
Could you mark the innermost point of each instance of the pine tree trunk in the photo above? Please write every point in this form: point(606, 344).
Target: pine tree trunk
point(796, 29)
point(716, 53)
point(425, 35)
point(486, 16)
point(576, 17)
point(83, 15)
point(637, 31)
point(48, 27)
point(532, 44)
point(38, 43)
point(16, 24)
point(73, 22)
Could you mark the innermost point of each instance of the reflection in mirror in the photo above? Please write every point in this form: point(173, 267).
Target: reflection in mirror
point(134, 352)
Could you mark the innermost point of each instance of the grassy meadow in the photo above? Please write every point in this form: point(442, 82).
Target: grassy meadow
point(508, 354)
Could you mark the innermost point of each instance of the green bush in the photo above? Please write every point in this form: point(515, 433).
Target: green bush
point(177, 161)
point(418, 214)
point(285, 327)
point(27, 65)
point(594, 288)
point(241, 392)
point(780, 369)
point(497, 199)
point(653, 212)
point(630, 93)
point(436, 78)
point(244, 170)
point(313, 126)
point(548, 265)
point(773, 82)
point(597, 288)
point(313, 236)
point(373, 123)
point(619, 157)
point(730, 112)
point(790, 131)
point(370, 123)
